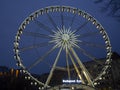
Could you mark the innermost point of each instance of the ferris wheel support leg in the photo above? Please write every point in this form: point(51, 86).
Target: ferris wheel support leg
point(84, 70)
point(68, 68)
point(77, 70)
point(53, 68)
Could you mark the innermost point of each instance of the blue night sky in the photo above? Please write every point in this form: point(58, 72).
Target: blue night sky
point(13, 12)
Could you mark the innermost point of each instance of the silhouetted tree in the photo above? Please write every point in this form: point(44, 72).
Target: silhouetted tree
point(112, 7)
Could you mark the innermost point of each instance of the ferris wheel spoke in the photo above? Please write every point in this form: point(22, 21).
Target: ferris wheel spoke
point(72, 20)
point(43, 26)
point(34, 34)
point(76, 68)
point(61, 68)
point(81, 26)
point(62, 19)
point(89, 34)
point(46, 63)
point(40, 59)
point(84, 52)
point(92, 44)
point(53, 68)
point(44, 44)
point(52, 21)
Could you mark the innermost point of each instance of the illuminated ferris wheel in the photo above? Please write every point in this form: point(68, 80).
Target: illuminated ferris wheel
point(62, 39)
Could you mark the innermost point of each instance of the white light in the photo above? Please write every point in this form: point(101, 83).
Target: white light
point(97, 26)
point(108, 54)
point(27, 20)
point(16, 44)
point(95, 83)
point(16, 51)
point(107, 60)
point(25, 77)
point(23, 71)
point(72, 88)
point(20, 31)
point(68, 10)
point(104, 72)
point(84, 16)
point(17, 37)
point(106, 42)
point(31, 83)
point(93, 22)
point(103, 77)
point(108, 47)
point(89, 19)
point(39, 88)
point(23, 25)
point(42, 87)
point(17, 64)
point(29, 78)
point(15, 57)
point(107, 66)
point(98, 83)
point(100, 78)
point(101, 31)
point(104, 36)
point(35, 83)
point(20, 64)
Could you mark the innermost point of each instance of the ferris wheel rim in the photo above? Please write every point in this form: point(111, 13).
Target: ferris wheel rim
point(61, 9)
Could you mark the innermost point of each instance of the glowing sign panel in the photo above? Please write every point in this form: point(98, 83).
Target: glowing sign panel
point(71, 81)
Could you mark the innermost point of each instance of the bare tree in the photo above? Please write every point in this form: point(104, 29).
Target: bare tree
point(111, 7)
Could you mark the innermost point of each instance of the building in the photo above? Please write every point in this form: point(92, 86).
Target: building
point(13, 79)
point(111, 80)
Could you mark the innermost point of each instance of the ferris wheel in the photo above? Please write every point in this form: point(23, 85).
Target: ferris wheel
point(57, 42)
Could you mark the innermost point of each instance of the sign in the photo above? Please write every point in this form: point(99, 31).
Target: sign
point(71, 81)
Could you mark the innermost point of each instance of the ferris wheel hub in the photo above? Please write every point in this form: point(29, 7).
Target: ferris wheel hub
point(65, 37)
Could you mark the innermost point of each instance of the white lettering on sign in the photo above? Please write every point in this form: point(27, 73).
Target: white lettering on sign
point(71, 81)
